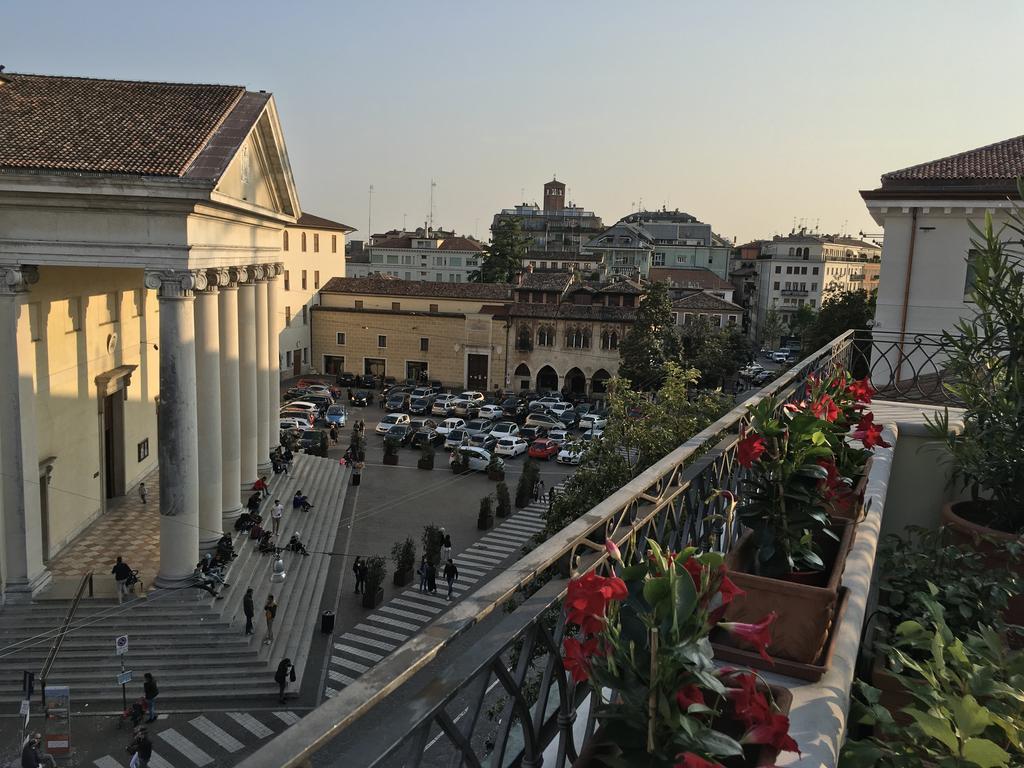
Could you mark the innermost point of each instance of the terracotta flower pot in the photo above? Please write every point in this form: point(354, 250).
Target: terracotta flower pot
point(805, 610)
point(850, 505)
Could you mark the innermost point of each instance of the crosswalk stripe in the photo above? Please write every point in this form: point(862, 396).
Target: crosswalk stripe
point(330, 693)
point(404, 614)
point(496, 547)
point(382, 632)
point(475, 568)
point(221, 737)
point(186, 747)
point(156, 761)
point(526, 523)
point(251, 724)
point(289, 718)
point(393, 622)
point(105, 762)
point(467, 579)
point(525, 513)
point(367, 641)
point(338, 677)
point(500, 537)
point(521, 527)
point(353, 651)
point(355, 666)
point(415, 606)
point(489, 560)
point(424, 596)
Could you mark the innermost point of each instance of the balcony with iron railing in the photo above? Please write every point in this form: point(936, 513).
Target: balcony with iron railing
point(794, 292)
point(484, 684)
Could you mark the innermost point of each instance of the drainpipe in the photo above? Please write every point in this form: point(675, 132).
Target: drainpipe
point(906, 288)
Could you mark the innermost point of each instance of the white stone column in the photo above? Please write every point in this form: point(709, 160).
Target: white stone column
point(178, 425)
point(262, 374)
point(208, 393)
point(21, 565)
point(247, 377)
point(276, 323)
point(230, 410)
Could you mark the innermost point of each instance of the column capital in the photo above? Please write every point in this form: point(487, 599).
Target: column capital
point(273, 271)
point(215, 280)
point(17, 278)
point(176, 283)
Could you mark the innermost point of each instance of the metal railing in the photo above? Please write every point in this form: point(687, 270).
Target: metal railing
point(537, 703)
point(903, 366)
point(58, 639)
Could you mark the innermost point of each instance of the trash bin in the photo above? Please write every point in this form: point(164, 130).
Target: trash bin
point(355, 478)
point(327, 622)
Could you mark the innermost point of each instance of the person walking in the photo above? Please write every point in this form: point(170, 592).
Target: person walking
point(143, 493)
point(285, 674)
point(249, 609)
point(269, 612)
point(536, 491)
point(446, 548)
point(422, 571)
point(451, 573)
point(276, 514)
point(364, 571)
point(357, 472)
point(334, 435)
point(431, 578)
point(540, 490)
point(357, 567)
point(150, 691)
point(122, 573)
point(551, 497)
point(141, 748)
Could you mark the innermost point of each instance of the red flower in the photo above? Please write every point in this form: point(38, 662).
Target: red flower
point(757, 634)
point(861, 390)
point(695, 569)
point(749, 449)
point(727, 589)
point(825, 408)
point(750, 705)
point(613, 550)
point(690, 760)
point(588, 598)
point(774, 732)
point(687, 695)
point(577, 657)
point(869, 433)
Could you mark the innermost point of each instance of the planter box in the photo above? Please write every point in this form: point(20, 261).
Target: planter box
point(373, 599)
point(851, 506)
point(391, 460)
point(496, 476)
point(425, 463)
point(503, 512)
point(402, 578)
point(806, 612)
point(484, 522)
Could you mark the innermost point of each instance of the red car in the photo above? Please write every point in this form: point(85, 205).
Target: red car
point(543, 449)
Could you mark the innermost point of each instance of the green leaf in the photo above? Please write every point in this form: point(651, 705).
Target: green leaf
point(656, 590)
point(985, 753)
point(818, 438)
point(719, 744)
point(685, 597)
point(934, 727)
point(970, 717)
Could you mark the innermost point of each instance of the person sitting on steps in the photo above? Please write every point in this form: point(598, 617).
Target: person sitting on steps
point(226, 548)
point(266, 545)
point(261, 486)
point(295, 544)
point(300, 501)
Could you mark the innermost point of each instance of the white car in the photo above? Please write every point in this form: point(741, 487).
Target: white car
point(320, 389)
point(391, 420)
point(475, 397)
point(560, 436)
point(505, 429)
point(544, 403)
point(448, 425)
point(543, 420)
point(301, 405)
point(592, 435)
point(443, 404)
point(511, 446)
point(491, 412)
point(780, 357)
point(307, 417)
point(294, 423)
point(593, 421)
point(455, 438)
point(477, 458)
point(557, 409)
point(571, 453)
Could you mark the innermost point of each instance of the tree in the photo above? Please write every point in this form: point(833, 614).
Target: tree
point(841, 310)
point(503, 257)
point(772, 328)
point(650, 342)
point(802, 321)
point(716, 353)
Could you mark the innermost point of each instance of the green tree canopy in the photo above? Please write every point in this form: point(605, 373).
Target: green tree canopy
point(841, 310)
point(716, 353)
point(503, 257)
point(772, 328)
point(650, 342)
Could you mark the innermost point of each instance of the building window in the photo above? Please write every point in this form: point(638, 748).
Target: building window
point(658, 260)
point(284, 239)
point(340, 338)
point(287, 315)
point(304, 316)
point(814, 286)
point(316, 242)
point(288, 358)
point(778, 270)
point(305, 355)
point(424, 345)
point(303, 277)
point(396, 306)
point(545, 336)
point(433, 307)
point(438, 277)
point(303, 242)
point(814, 270)
point(382, 342)
point(789, 270)
point(359, 303)
point(732, 320)
point(334, 243)
point(776, 286)
point(287, 282)
point(810, 302)
point(524, 340)
point(577, 338)
point(316, 279)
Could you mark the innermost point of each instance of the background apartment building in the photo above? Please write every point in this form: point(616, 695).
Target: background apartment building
point(425, 254)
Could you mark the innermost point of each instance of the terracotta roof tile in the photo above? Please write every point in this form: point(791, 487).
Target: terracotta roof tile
point(702, 300)
point(108, 126)
point(694, 277)
point(319, 222)
point(1002, 160)
point(447, 244)
point(382, 285)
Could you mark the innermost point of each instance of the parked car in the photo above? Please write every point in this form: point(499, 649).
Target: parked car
point(582, 409)
point(593, 421)
point(314, 441)
point(391, 420)
point(543, 420)
point(322, 402)
point(426, 433)
point(477, 458)
point(443, 404)
point(337, 415)
point(780, 356)
point(543, 403)
point(321, 389)
point(568, 417)
point(455, 438)
point(468, 409)
point(560, 436)
point(401, 434)
point(505, 429)
point(361, 398)
point(294, 422)
point(543, 449)
point(513, 407)
point(346, 379)
point(479, 426)
point(423, 392)
point(397, 402)
point(558, 409)
point(420, 405)
point(763, 377)
point(529, 434)
point(390, 381)
point(492, 412)
point(511, 446)
point(366, 381)
point(302, 405)
point(483, 440)
point(571, 453)
point(592, 435)
point(449, 424)
point(295, 393)
point(307, 418)
point(473, 396)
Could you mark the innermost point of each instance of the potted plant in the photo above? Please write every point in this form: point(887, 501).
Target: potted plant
point(432, 538)
point(644, 635)
point(403, 553)
point(376, 572)
point(426, 459)
point(527, 482)
point(458, 463)
point(485, 520)
point(495, 468)
point(390, 451)
point(791, 556)
point(503, 505)
point(965, 697)
point(984, 359)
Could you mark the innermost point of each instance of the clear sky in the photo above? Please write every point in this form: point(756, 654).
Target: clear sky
point(746, 114)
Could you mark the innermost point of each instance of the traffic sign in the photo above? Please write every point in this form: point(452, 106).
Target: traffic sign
point(123, 678)
point(25, 705)
point(121, 645)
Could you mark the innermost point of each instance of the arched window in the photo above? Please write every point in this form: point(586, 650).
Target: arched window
point(303, 242)
point(545, 336)
point(613, 340)
point(524, 339)
point(791, 251)
point(285, 240)
point(605, 340)
point(586, 338)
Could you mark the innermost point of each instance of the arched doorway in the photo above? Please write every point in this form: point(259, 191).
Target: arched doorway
point(599, 382)
point(547, 379)
point(522, 375)
point(576, 382)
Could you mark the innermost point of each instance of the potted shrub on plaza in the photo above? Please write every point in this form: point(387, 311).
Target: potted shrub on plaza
point(644, 635)
point(376, 572)
point(503, 506)
point(390, 451)
point(426, 459)
point(432, 537)
point(485, 520)
point(495, 468)
point(458, 463)
point(403, 554)
point(527, 482)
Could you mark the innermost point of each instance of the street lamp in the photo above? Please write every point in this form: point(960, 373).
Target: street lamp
point(279, 575)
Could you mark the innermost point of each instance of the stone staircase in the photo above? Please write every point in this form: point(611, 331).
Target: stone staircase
point(194, 645)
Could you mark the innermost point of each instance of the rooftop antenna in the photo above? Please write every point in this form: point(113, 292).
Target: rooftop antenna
point(432, 185)
point(844, 227)
point(641, 204)
point(817, 225)
point(369, 215)
point(403, 221)
point(522, 194)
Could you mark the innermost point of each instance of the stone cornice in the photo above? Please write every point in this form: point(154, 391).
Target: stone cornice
point(16, 279)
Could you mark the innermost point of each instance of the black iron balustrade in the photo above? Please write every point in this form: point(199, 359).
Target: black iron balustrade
point(903, 366)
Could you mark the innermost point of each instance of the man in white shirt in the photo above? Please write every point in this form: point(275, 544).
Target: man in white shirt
point(276, 514)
